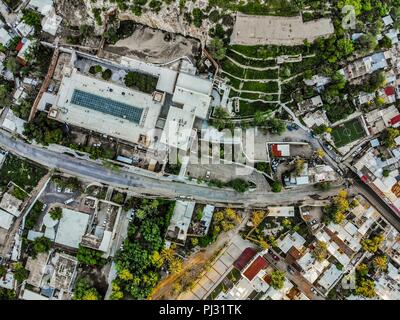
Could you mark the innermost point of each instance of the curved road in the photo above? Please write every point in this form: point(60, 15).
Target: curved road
point(160, 186)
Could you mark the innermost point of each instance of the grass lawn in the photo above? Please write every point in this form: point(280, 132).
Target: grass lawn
point(23, 173)
point(12, 3)
point(347, 132)
point(261, 74)
point(233, 69)
point(250, 62)
point(248, 109)
point(221, 287)
point(257, 96)
point(234, 275)
point(268, 87)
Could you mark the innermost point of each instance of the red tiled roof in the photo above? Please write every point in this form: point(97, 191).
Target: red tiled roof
point(389, 91)
point(256, 266)
point(19, 46)
point(395, 120)
point(275, 151)
point(244, 258)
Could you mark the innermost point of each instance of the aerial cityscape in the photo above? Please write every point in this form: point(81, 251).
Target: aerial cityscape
point(199, 150)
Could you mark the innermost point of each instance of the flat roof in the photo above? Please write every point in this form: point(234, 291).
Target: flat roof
point(255, 267)
point(178, 128)
point(194, 94)
point(180, 220)
point(281, 211)
point(30, 295)
point(166, 77)
point(6, 219)
point(106, 107)
point(257, 30)
point(11, 204)
point(71, 228)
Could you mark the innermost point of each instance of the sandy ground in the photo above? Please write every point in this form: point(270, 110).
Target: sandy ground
point(150, 45)
point(163, 291)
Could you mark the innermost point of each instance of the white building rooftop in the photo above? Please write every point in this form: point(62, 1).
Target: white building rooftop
point(5, 37)
point(6, 219)
point(180, 220)
point(107, 108)
point(194, 94)
point(71, 228)
point(329, 277)
point(281, 211)
point(178, 130)
point(291, 240)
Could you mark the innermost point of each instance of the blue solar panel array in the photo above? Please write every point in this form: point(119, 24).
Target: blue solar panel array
point(105, 105)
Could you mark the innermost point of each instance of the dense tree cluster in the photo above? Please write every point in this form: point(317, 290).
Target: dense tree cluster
point(142, 257)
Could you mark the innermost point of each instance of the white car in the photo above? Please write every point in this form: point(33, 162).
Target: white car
point(313, 290)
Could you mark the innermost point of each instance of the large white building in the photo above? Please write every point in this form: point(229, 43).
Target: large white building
point(111, 108)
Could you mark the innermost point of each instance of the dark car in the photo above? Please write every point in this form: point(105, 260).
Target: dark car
point(276, 258)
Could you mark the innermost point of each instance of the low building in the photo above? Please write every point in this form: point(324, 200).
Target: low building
point(366, 65)
point(178, 131)
point(309, 104)
point(71, 228)
point(106, 107)
point(11, 204)
point(379, 119)
point(281, 211)
point(291, 240)
point(6, 219)
point(23, 49)
point(180, 221)
point(5, 37)
point(280, 150)
point(316, 119)
point(102, 229)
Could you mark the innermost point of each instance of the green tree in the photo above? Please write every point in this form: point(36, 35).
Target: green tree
point(239, 185)
point(12, 65)
point(20, 273)
point(41, 245)
point(366, 288)
point(90, 256)
point(217, 49)
point(83, 291)
point(276, 186)
point(362, 270)
point(32, 18)
point(389, 137)
point(56, 213)
point(380, 263)
point(277, 279)
point(372, 245)
point(320, 251)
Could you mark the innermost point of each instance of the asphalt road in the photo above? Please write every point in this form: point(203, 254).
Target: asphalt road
point(145, 184)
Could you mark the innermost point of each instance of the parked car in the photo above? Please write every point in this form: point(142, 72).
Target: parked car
point(208, 174)
point(313, 290)
point(276, 258)
point(290, 270)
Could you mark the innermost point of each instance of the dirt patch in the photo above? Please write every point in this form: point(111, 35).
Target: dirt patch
point(73, 11)
point(155, 46)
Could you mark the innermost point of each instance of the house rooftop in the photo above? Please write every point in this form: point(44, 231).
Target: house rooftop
point(11, 204)
point(255, 267)
point(71, 228)
point(244, 258)
point(180, 220)
point(106, 107)
point(6, 219)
